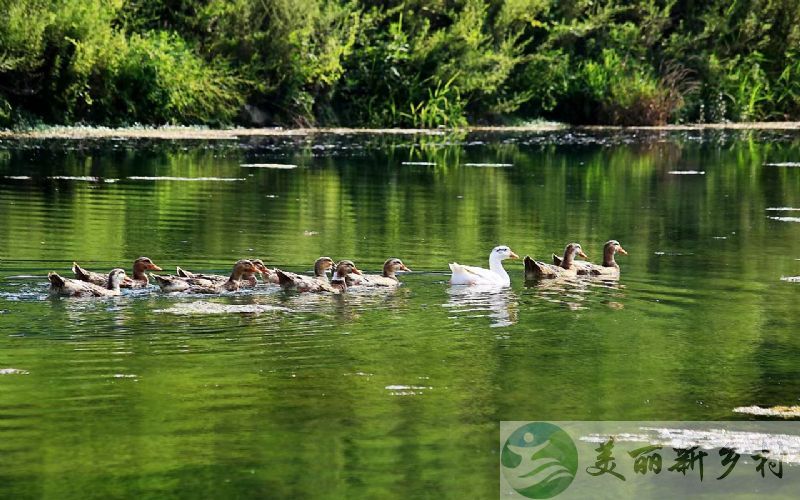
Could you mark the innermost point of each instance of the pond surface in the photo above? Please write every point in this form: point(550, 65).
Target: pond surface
point(393, 393)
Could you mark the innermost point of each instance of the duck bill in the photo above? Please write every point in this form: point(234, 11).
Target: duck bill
point(356, 271)
point(621, 250)
point(580, 252)
point(513, 256)
point(153, 267)
point(404, 268)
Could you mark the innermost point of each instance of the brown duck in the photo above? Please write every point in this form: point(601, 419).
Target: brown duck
point(171, 284)
point(67, 287)
point(302, 283)
point(343, 269)
point(248, 279)
point(387, 278)
point(610, 268)
point(139, 279)
point(536, 270)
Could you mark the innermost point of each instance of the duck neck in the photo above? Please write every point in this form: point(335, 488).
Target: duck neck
point(236, 275)
point(138, 273)
point(569, 258)
point(113, 283)
point(388, 272)
point(496, 266)
point(338, 281)
point(319, 272)
point(608, 258)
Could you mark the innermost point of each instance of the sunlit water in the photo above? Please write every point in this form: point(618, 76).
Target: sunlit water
point(385, 393)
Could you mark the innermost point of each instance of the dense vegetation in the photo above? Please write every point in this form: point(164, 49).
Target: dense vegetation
point(397, 63)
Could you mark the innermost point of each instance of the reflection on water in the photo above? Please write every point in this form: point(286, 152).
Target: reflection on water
point(372, 393)
point(574, 292)
point(497, 303)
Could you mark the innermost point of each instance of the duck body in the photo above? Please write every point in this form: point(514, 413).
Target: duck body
point(170, 284)
point(66, 287)
point(538, 270)
point(173, 284)
point(302, 283)
point(581, 266)
point(248, 279)
point(496, 275)
point(139, 279)
point(387, 279)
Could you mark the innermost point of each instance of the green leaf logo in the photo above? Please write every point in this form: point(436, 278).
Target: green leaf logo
point(539, 460)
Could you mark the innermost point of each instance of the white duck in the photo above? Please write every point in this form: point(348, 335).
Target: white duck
point(495, 275)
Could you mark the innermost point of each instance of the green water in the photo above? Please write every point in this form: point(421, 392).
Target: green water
point(384, 394)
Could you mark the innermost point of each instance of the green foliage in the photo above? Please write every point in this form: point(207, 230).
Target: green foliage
point(161, 80)
point(79, 67)
point(398, 62)
point(444, 107)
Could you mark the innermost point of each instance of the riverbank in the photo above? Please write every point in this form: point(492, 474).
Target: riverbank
point(198, 133)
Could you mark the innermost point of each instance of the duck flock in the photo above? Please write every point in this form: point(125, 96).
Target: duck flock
point(345, 274)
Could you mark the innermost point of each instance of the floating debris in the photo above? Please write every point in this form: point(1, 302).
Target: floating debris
point(783, 209)
point(279, 166)
point(789, 164)
point(124, 375)
point(489, 165)
point(785, 219)
point(13, 371)
point(202, 307)
point(424, 163)
point(687, 172)
point(719, 237)
point(310, 233)
point(775, 411)
point(17, 177)
point(189, 179)
point(791, 279)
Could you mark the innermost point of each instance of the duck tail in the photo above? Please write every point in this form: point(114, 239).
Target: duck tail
point(55, 279)
point(533, 269)
point(79, 272)
point(160, 280)
point(284, 279)
point(556, 260)
point(182, 272)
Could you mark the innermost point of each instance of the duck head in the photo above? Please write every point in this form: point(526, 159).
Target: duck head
point(502, 252)
point(322, 266)
point(261, 267)
point(115, 277)
point(241, 268)
point(577, 250)
point(345, 267)
point(141, 265)
point(392, 266)
point(609, 249)
point(571, 251)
